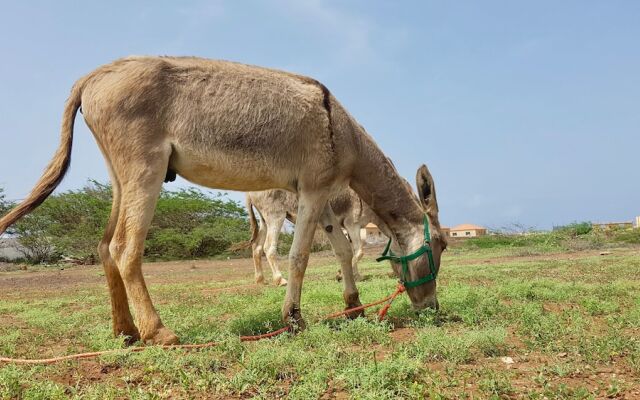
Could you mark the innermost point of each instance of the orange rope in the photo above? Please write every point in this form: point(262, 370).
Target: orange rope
point(389, 298)
point(253, 338)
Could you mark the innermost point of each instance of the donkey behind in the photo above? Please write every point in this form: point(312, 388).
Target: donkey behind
point(274, 206)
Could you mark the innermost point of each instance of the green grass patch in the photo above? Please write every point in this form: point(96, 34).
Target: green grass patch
point(560, 319)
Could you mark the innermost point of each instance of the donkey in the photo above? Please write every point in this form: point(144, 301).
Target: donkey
point(231, 126)
point(274, 206)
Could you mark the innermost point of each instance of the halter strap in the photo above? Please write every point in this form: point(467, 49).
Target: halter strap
point(387, 254)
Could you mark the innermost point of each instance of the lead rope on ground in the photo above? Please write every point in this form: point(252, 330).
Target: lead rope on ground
point(381, 314)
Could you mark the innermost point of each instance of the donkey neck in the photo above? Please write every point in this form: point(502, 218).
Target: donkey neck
point(378, 184)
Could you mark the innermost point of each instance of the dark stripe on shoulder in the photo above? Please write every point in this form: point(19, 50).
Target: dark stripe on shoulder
point(326, 101)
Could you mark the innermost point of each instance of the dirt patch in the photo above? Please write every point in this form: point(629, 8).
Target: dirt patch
point(9, 267)
point(23, 283)
point(403, 335)
point(13, 321)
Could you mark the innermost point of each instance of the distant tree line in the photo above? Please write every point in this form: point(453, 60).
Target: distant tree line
point(573, 236)
point(188, 223)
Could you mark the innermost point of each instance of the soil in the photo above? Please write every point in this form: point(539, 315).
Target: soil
point(39, 279)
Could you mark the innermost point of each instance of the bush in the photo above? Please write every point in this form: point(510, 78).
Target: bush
point(69, 223)
point(188, 223)
point(536, 239)
point(574, 236)
point(284, 243)
point(192, 224)
point(574, 229)
point(631, 236)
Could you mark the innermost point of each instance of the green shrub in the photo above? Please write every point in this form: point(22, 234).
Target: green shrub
point(188, 223)
point(534, 239)
point(574, 236)
point(284, 243)
point(575, 228)
point(631, 236)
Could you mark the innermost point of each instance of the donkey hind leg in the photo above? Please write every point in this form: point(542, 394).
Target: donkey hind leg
point(310, 206)
point(356, 245)
point(139, 197)
point(343, 252)
point(257, 251)
point(120, 313)
point(274, 225)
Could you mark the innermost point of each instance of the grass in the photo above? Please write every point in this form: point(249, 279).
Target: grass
point(570, 324)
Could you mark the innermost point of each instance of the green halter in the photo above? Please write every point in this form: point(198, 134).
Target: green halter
point(387, 254)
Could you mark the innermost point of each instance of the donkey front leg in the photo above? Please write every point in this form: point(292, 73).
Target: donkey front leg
point(343, 252)
point(310, 206)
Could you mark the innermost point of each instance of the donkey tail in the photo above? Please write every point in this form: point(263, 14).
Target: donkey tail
point(56, 169)
point(252, 220)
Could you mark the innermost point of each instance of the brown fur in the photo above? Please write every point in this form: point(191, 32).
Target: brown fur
point(229, 126)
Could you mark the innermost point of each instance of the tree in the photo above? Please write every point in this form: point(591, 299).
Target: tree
point(188, 223)
point(69, 223)
point(5, 205)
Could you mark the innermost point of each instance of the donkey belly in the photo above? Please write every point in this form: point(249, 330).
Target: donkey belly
point(221, 170)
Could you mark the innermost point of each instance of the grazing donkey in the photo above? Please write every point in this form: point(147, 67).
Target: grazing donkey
point(274, 206)
point(231, 126)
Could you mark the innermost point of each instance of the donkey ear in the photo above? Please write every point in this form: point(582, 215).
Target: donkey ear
point(427, 191)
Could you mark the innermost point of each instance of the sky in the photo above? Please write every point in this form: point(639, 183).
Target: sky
point(525, 112)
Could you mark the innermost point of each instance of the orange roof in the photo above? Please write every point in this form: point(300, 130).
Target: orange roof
point(467, 227)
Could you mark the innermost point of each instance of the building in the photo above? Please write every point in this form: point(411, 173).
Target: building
point(637, 222)
point(372, 234)
point(467, 231)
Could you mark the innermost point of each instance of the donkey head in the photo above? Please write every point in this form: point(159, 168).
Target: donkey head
point(418, 270)
point(424, 295)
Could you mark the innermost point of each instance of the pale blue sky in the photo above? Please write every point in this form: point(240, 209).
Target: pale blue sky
point(524, 111)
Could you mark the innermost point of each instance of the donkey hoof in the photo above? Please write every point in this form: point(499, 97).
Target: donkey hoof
point(260, 280)
point(297, 326)
point(295, 321)
point(355, 313)
point(280, 281)
point(163, 337)
point(130, 337)
point(339, 276)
